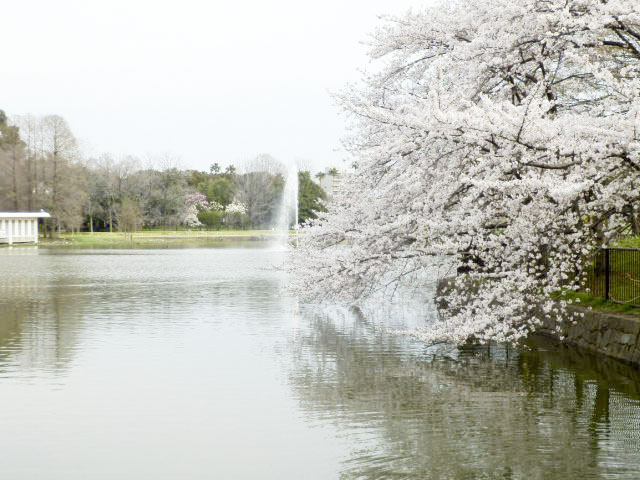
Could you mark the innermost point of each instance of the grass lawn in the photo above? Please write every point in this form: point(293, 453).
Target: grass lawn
point(586, 300)
point(628, 242)
point(157, 238)
point(624, 267)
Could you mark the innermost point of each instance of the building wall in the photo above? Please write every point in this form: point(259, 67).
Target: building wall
point(332, 184)
point(18, 230)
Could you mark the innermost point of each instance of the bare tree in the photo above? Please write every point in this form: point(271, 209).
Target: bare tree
point(64, 190)
point(31, 134)
point(259, 187)
point(130, 216)
point(108, 185)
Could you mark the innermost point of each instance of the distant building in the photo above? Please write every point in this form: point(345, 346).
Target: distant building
point(331, 181)
point(20, 227)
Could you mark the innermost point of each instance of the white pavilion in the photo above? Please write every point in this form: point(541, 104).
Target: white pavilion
point(20, 227)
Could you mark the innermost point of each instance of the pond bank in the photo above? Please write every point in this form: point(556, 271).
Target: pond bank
point(612, 334)
point(157, 239)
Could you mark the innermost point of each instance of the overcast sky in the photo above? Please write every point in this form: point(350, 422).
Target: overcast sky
point(209, 81)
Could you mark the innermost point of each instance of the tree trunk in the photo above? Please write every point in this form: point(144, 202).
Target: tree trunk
point(30, 170)
point(14, 185)
point(635, 224)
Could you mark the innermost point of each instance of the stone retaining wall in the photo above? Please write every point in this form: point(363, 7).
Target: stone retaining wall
point(611, 334)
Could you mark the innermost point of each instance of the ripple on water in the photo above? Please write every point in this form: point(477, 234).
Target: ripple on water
point(193, 364)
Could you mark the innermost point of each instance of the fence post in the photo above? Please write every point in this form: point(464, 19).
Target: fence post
point(606, 274)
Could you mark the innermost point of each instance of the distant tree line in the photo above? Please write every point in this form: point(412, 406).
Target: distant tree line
point(41, 167)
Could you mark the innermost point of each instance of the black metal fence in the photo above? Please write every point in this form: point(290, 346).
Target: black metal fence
point(616, 275)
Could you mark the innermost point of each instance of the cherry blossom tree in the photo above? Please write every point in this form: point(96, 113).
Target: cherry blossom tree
point(500, 137)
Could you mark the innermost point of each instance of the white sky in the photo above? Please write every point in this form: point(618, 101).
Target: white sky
point(205, 80)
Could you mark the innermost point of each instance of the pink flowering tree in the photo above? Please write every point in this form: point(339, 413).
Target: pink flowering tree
point(194, 204)
point(197, 200)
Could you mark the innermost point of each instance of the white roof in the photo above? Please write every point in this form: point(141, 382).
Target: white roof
point(40, 214)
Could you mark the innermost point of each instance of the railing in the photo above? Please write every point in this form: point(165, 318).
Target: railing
point(616, 275)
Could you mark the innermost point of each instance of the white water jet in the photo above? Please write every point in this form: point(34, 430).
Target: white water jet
point(288, 216)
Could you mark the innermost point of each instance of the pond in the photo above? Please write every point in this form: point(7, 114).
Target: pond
point(193, 364)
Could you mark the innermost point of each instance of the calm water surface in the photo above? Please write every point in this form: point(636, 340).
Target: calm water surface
point(192, 364)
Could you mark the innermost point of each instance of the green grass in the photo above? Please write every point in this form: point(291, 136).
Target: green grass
point(628, 242)
point(156, 238)
point(189, 233)
point(584, 299)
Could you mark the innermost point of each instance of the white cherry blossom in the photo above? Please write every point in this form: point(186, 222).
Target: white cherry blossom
point(501, 136)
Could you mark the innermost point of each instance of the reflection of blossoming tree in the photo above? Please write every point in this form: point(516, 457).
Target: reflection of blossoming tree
point(501, 133)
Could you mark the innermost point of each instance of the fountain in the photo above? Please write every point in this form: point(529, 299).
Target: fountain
point(288, 216)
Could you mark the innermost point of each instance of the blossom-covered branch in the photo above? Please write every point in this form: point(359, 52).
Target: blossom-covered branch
point(500, 135)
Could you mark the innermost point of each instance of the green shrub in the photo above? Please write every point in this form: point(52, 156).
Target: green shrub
point(212, 219)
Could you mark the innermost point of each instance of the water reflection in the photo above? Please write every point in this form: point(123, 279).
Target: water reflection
point(192, 364)
point(49, 298)
point(480, 413)
point(38, 326)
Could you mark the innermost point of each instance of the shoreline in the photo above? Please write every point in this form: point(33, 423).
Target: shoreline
point(614, 334)
point(157, 239)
